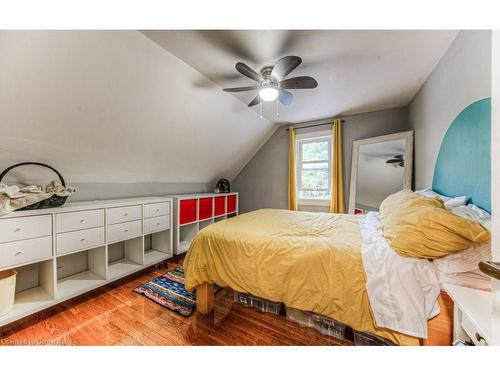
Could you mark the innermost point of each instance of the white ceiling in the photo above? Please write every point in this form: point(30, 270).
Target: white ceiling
point(357, 71)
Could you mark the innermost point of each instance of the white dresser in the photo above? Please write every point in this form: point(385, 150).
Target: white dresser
point(62, 252)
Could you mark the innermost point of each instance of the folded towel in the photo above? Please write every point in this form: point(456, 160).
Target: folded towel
point(14, 197)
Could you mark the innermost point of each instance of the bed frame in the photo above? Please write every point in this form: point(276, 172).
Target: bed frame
point(205, 298)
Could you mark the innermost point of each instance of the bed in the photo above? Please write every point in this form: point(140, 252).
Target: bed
point(308, 261)
point(338, 265)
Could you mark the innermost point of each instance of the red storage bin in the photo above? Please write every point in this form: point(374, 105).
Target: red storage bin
point(220, 206)
point(187, 211)
point(231, 203)
point(205, 208)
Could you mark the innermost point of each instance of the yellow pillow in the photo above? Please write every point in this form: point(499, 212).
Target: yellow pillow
point(406, 198)
point(430, 232)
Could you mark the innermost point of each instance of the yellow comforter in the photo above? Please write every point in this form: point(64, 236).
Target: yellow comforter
point(307, 261)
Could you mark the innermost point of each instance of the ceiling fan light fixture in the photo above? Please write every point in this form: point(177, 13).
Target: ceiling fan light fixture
point(268, 94)
point(271, 81)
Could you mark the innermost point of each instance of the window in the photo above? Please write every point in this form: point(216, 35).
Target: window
point(314, 168)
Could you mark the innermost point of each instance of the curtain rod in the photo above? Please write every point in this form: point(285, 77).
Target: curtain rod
point(312, 126)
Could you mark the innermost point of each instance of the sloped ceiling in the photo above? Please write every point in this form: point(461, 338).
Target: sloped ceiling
point(126, 106)
point(357, 71)
point(113, 106)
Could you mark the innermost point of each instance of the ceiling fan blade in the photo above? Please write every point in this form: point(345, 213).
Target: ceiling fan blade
point(238, 89)
point(249, 72)
point(284, 66)
point(299, 83)
point(285, 97)
point(255, 101)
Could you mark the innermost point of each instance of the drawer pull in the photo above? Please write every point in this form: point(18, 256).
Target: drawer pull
point(158, 223)
point(17, 229)
point(82, 220)
point(125, 230)
point(479, 338)
point(157, 210)
point(82, 240)
point(125, 214)
point(18, 253)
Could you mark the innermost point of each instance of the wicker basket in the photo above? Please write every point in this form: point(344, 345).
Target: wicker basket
point(53, 201)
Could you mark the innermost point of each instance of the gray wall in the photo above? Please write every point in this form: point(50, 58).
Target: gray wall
point(96, 191)
point(263, 183)
point(462, 77)
point(88, 191)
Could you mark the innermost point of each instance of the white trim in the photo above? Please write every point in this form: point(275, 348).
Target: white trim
point(495, 178)
point(320, 136)
point(314, 202)
point(313, 134)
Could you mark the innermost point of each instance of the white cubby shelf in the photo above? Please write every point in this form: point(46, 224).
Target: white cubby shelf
point(194, 212)
point(56, 262)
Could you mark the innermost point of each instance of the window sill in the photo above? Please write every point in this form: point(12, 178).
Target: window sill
point(314, 202)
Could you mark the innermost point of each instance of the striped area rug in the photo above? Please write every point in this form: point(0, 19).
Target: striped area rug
point(168, 291)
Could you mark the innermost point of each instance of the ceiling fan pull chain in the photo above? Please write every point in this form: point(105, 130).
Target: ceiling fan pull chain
point(261, 109)
point(277, 109)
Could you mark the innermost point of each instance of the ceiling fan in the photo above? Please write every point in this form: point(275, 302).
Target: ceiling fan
point(272, 83)
point(397, 160)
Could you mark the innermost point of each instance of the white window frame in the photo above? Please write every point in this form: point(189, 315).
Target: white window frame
point(301, 139)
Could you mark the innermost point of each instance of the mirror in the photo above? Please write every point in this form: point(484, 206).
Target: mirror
point(381, 166)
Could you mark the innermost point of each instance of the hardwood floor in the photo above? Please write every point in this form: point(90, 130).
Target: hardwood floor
point(441, 326)
point(114, 315)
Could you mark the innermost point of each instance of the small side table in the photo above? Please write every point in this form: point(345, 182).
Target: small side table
point(472, 315)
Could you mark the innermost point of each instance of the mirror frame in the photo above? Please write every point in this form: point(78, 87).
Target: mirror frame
point(408, 176)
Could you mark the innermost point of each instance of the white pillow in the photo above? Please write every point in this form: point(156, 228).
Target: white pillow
point(467, 260)
point(449, 202)
point(475, 213)
point(462, 268)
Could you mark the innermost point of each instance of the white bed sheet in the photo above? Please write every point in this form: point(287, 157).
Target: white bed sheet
point(402, 291)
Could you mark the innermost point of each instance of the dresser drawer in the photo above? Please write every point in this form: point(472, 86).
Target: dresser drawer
point(80, 239)
point(123, 231)
point(156, 224)
point(156, 209)
point(21, 228)
point(25, 251)
point(124, 214)
point(69, 221)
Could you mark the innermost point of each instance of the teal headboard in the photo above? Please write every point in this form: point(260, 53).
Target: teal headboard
point(463, 166)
